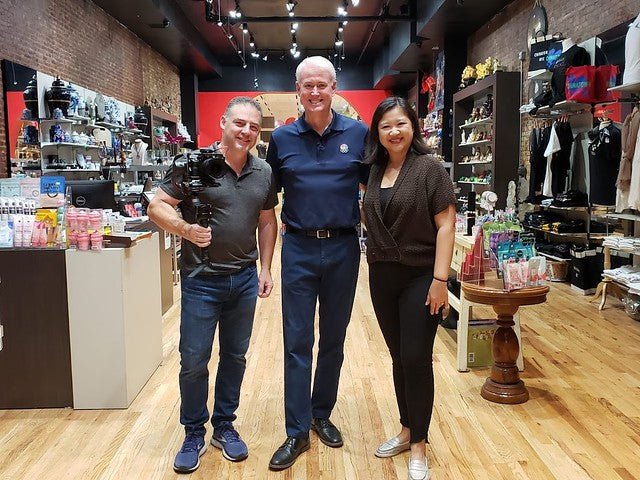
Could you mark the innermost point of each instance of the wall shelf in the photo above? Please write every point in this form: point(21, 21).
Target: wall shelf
point(505, 88)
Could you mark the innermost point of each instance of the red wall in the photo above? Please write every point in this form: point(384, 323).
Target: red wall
point(211, 106)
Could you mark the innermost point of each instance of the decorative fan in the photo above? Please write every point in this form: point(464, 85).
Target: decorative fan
point(537, 22)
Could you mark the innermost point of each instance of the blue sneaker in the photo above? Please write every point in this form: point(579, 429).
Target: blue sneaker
point(228, 440)
point(188, 458)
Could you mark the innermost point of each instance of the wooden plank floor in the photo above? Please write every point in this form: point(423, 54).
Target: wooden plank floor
point(582, 368)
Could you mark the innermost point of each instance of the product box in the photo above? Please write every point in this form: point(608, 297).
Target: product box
point(479, 340)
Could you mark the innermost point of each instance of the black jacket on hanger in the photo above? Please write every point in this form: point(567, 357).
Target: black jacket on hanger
point(605, 151)
point(537, 161)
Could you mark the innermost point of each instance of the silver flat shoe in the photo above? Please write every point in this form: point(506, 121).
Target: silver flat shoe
point(392, 447)
point(418, 470)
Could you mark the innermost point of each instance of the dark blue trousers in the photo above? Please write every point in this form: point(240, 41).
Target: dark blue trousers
point(323, 271)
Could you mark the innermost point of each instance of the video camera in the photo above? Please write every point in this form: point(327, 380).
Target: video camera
point(198, 170)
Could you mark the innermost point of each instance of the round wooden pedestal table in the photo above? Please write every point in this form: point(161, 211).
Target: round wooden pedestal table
point(504, 384)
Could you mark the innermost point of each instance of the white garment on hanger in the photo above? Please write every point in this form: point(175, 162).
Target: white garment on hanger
point(632, 53)
point(552, 147)
point(634, 188)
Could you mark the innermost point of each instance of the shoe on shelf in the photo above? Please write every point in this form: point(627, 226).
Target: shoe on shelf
point(288, 452)
point(418, 469)
point(327, 432)
point(392, 447)
point(188, 458)
point(227, 439)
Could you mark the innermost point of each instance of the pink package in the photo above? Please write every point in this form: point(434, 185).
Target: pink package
point(96, 241)
point(83, 241)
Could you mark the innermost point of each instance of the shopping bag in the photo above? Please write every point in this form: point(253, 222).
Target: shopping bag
point(580, 84)
point(606, 77)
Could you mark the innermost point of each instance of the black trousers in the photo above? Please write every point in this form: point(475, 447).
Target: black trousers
point(398, 293)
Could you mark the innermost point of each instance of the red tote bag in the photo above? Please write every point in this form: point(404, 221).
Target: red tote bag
point(581, 84)
point(606, 76)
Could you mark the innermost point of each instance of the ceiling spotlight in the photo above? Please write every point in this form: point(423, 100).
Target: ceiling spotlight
point(239, 52)
point(219, 23)
point(296, 54)
point(244, 65)
point(341, 11)
point(338, 41)
point(229, 35)
point(290, 5)
point(344, 23)
point(266, 57)
point(294, 26)
point(342, 56)
point(245, 28)
point(291, 13)
point(340, 26)
point(355, 2)
point(252, 42)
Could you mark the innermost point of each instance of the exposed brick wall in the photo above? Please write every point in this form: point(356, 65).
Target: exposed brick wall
point(506, 34)
point(77, 40)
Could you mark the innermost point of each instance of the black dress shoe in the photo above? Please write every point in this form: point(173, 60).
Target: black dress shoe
point(327, 432)
point(286, 455)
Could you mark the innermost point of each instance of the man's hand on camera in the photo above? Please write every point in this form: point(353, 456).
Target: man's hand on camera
point(265, 283)
point(199, 236)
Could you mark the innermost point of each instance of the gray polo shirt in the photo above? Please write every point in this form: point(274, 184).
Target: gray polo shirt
point(236, 205)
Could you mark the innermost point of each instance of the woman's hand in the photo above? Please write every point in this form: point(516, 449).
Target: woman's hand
point(438, 296)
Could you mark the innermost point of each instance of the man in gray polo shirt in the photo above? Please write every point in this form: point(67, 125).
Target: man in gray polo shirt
point(222, 291)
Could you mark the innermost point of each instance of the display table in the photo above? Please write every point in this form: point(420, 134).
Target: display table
point(81, 329)
point(463, 244)
point(504, 384)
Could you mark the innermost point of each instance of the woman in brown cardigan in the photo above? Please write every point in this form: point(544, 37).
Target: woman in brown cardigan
point(410, 217)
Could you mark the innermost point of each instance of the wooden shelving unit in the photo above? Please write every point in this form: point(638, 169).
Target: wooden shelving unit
point(504, 86)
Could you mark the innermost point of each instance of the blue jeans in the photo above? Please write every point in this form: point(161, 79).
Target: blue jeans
point(324, 271)
point(228, 301)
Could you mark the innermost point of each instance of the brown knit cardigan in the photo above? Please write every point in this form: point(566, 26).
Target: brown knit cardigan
point(406, 231)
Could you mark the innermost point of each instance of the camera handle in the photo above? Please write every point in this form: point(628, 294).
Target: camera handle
point(203, 218)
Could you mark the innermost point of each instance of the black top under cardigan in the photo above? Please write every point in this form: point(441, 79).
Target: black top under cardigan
point(405, 232)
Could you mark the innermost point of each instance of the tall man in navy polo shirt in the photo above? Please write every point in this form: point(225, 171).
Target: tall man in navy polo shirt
point(317, 160)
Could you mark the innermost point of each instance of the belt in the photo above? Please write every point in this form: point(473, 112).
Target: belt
point(322, 233)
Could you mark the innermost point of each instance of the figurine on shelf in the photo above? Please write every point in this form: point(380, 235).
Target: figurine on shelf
point(487, 106)
point(468, 77)
point(130, 123)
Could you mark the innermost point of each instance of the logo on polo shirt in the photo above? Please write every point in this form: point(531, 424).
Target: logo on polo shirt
point(344, 148)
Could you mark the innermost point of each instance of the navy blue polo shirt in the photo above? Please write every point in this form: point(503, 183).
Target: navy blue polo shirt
point(319, 173)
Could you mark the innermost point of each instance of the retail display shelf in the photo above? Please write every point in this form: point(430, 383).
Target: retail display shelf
point(566, 106)
point(447, 164)
point(553, 257)
point(68, 144)
point(471, 144)
point(473, 183)
point(539, 75)
point(484, 121)
point(146, 168)
point(79, 118)
point(56, 120)
point(623, 216)
point(114, 126)
point(629, 87)
point(433, 130)
point(476, 162)
point(59, 170)
point(559, 234)
point(554, 207)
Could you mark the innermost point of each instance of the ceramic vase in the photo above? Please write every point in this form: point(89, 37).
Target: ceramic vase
point(140, 120)
point(30, 96)
point(58, 96)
